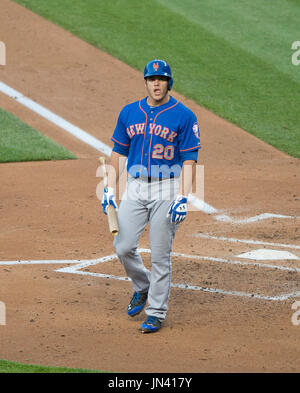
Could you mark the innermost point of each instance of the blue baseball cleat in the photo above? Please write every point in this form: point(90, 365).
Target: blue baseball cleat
point(151, 325)
point(137, 303)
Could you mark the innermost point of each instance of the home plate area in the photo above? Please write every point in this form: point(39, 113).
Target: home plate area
point(235, 277)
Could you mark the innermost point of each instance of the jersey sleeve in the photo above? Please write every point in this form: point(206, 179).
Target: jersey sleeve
point(189, 155)
point(120, 137)
point(189, 135)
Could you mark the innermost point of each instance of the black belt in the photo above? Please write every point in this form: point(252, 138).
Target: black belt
point(152, 179)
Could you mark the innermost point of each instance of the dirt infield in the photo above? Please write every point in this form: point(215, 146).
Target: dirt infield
point(222, 320)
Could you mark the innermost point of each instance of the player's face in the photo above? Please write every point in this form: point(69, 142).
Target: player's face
point(157, 87)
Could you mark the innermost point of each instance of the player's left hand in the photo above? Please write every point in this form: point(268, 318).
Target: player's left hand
point(178, 209)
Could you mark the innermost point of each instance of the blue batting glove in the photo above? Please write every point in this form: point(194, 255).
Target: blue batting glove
point(178, 210)
point(108, 199)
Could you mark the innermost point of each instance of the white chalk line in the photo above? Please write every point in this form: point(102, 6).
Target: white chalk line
point(42, 262)
point(245, 241)
point(78, 265)
point(55, 119)
point(260, 217)
point(102, 147)
point(201, 205)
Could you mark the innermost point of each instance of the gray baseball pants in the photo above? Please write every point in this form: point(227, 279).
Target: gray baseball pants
point(145, 202)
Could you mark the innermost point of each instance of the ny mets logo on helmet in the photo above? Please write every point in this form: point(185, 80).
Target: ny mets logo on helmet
point(155, 66)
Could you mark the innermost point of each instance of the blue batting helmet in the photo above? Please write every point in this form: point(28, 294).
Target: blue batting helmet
point(159, 67)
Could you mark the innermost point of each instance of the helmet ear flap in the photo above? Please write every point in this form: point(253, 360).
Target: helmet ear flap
point(170, 84)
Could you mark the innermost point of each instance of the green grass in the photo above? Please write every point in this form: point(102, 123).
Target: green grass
point(13, 367)
point(20, 142)
point(231, 56)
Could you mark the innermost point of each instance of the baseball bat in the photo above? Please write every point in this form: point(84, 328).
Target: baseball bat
point(111, 213)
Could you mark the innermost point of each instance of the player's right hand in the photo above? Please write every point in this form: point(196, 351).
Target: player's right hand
point(178, 210)
point(108, 199)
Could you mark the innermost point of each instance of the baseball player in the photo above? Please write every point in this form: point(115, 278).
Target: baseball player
point(159, 136)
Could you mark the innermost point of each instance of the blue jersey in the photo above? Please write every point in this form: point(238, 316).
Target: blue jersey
point(156, 140)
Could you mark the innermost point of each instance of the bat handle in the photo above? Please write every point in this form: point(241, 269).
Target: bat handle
point(111, 213)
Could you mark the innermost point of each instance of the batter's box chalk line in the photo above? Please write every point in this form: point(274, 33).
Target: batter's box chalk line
point(77, 267)
point(245, 241)
point(264, 216)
